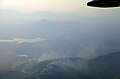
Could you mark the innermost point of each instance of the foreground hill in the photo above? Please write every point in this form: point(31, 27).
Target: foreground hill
point(61, 68)
point(106, 67)
point(103, 67)
point(13, 75)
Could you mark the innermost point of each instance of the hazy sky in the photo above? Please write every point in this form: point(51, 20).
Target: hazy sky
point(49, 5)
point(58, 6)
point(52, 10)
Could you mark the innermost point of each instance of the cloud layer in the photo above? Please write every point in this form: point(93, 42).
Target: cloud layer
point(24, 55)
point(22, 40)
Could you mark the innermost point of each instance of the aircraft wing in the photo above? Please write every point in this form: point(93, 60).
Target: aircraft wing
point(104, 3)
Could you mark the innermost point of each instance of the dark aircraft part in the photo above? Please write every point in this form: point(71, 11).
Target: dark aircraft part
point(104, 3)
